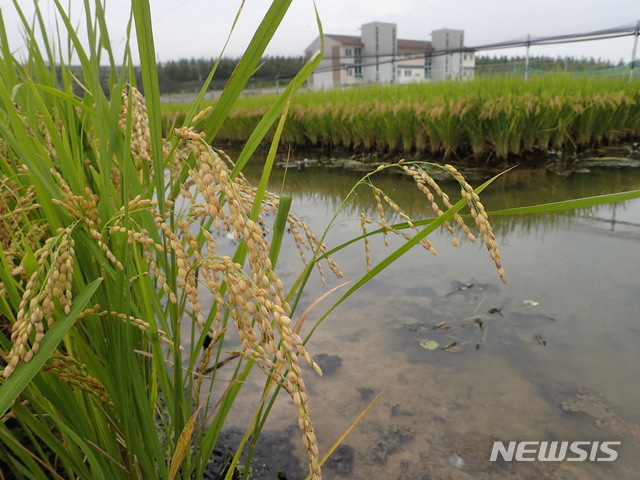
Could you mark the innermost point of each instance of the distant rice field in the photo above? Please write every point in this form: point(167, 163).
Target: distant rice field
point(486, 119)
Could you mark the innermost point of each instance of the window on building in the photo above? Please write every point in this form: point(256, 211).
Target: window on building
point(427, 65)
point(407, 73)
point(465, 57)
point(349, 72)
point(348, 52)
point(357, 61)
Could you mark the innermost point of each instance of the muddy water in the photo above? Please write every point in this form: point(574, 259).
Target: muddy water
point(552, 356)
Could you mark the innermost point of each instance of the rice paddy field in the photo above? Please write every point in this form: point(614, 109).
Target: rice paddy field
point(487, 120)
point(461, 360)
point(157, 295)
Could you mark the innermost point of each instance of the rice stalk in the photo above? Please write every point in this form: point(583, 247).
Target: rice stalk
point(499, 118)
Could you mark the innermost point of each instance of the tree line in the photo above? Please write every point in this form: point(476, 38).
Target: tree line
point(498, 64)
point(188, 74)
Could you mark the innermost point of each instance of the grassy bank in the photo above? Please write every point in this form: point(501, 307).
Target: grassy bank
point(488, 119)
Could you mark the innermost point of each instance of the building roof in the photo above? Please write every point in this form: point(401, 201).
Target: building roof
point(403, 44)
point(414, 45)
point(345, 39)
point(421, 45)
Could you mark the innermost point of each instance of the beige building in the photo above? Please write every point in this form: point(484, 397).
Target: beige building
point(378, 56)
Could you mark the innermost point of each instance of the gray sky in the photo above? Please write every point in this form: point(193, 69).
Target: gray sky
point(198, 28)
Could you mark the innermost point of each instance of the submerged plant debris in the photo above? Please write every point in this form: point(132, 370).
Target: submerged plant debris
point(429, 344)
point(459, 320)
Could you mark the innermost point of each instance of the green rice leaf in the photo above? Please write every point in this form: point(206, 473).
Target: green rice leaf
point(277, 107)
point(584, 202)
point(149, 71)
point(246, 66)
point(279, 226)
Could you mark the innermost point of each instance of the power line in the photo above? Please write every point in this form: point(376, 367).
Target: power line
point(166, 14)
point(606, 34)
point(399, 59)
point(615, 32)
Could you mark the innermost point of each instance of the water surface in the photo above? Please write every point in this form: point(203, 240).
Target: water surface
point(552, 356)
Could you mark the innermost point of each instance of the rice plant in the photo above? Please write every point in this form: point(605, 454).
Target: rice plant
point(128, 327)
point(106, 252)
point(499, 118)
point(118, 297)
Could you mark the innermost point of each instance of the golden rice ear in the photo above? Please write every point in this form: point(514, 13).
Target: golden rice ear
point(367, 250)
point(50, 283)
point(430, 188)
point(481, 219)
point(68, 370)
point(140, 144)
point(201, 115)
point(255, 297)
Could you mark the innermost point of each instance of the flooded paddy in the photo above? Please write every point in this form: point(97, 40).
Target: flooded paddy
point(461, 360)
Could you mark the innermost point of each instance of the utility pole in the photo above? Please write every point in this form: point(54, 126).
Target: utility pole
point(633, 52)
point(393, 67)
point(526, 59)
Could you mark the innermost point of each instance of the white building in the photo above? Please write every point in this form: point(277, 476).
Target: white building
point(378, 56)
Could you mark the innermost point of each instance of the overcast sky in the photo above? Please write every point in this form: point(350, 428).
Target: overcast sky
point(198, 28)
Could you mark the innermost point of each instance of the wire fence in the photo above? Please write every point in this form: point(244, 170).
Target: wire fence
point(518, 69)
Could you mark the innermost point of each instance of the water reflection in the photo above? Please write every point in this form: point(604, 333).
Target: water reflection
point(329, 186)
point(550, 356)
